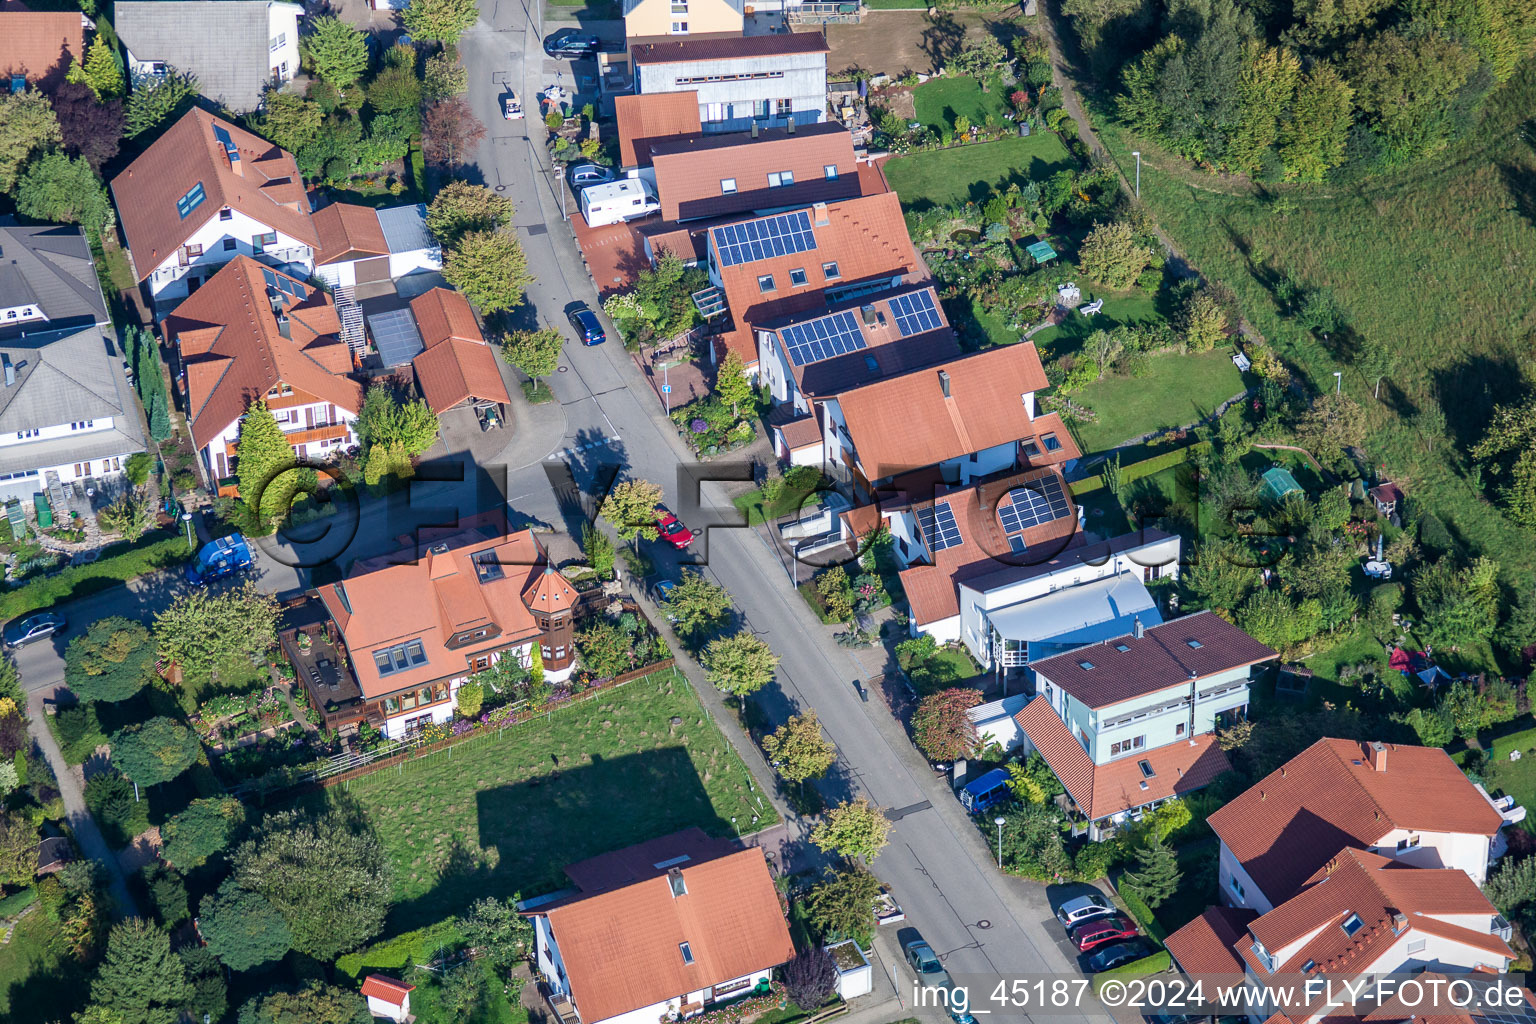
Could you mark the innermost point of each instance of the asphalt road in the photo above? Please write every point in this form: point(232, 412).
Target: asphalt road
point(983, 923)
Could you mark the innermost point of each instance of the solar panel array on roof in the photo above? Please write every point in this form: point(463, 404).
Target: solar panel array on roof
point(822, 338)
point(220, 133)
point(1043, 502)
point(762, 239)
point(915, 313)
point(270, 278)
point(292, 287)
point(395, 333)
point(939, 526)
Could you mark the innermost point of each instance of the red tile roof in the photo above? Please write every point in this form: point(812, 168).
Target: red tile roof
point(668, 50)
point(434, 598)
point(1189, 647)
point(1102, 790)
point(349, 232)
point(1330, 796)
point(651, 117)
point(549, 593)
point(234, 351)
point(387, 989)
point(38, 44)
point(801, 433)
point(984, 547)
point(904, 423)
point(1374, 888)
point(442, 314)
point(267, 188)
point(1205, 945)
point(622, 947)
point(454, 371)
point(689, 170)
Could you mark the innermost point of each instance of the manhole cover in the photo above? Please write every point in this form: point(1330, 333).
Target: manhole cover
point(983, 924)
point(501, 188)
point(562, 369)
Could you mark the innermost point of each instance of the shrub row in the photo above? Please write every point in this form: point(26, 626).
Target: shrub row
point(117, 564)
point(1137, 470)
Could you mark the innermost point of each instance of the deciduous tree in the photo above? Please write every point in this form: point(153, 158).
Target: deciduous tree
point(797, 749)
point(58, 188)
point(155, 751)
point(337, 51)
point(290, 120)
point(27, 125)
point(810, 978)
point(18, 849)
point(207, 826)
point(203, 629)
point(598, 549)
point(854, 828)
point(940, 726)
point(460, 208)
point(140, 977)
point(502, 935)
point(315, 1003)
point(739, 664)
point(1405, 81)
point(536, 353)
point(1265, 90)
point(110, 661)
point(1312, 140)
point(442, 21)
point(630, 508)
point(490, 268)
point(242, 929)
point(92, 128)
point(1112, 255)
point(1203, 321)
point(396, 89)
point(449, 131)
point(697, 604)
point(444, 76)
point(326, 873)
point(843, 905)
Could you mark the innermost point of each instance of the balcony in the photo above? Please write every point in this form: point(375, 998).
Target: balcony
point(324, 432)
point(564, 1010)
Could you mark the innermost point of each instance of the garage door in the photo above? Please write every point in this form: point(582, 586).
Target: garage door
point(373, 270)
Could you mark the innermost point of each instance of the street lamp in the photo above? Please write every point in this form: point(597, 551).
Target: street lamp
point(1338, 382)
point(186, 519)
point(999, 822)
point(1137, 154)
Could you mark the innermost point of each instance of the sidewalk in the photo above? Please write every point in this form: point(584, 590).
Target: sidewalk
point(87, 835)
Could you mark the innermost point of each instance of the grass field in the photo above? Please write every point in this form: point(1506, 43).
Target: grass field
point(1137, 307)
point(1176, 390)
point(952, 177)
point(942, 100)
point(1436, 259)
point(1514, 778)
point(39, 980)
point(505, 815)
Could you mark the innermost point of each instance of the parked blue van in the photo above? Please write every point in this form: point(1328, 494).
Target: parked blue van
point(989, 790)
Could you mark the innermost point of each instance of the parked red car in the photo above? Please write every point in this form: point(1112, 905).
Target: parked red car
point(672, 530)
point(1102, 931)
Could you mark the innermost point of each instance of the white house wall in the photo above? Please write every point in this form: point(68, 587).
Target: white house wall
point(983, 463)
point(283, 38)
point(1246, 893)
point(338, 275)
point(297, 420)
point(1439, 850)
point(727, 106)
point(414, 261)
point(168, 279)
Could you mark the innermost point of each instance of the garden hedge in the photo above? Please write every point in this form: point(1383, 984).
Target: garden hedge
point(1154, 964)
point(1137, 470)
point(118, 563)
point(1142, 913)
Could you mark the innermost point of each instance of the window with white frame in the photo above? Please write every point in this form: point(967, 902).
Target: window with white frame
point(1127, 745)
point(780, 179)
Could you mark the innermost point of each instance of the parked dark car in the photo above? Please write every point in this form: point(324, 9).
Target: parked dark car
point(572, 45)
point(33, 628)
point(1101, 931)
point(1082, 908)
point(589, 330)
point(1118, 955)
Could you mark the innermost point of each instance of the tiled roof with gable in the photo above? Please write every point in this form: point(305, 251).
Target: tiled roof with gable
point(1330, 796)
point(393, 992)
point(38, 44)
point(441, 314)
point(348, 232)
point(234, 351)
point(904, 423)
point(678, 50)
point(1102, 790)
point(689, 170)
point(645, 118)
point(984, 547)
point(49, 266)
point(622, 947)
point(224, 43)
point(1189, 647)
point(455, 371)
point(434, 597)
point(268, 188)
point(1206, 944)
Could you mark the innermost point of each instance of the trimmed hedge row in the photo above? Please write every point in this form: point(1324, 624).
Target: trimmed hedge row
point(1142, 913)
point(117, 564)
point(1154, 964)
point(1146, 467)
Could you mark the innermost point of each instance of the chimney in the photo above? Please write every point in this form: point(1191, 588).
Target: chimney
point(944, 382)
point(868, 312)
point(1139, 630)
point(1376, 753)
point(1399, 922)
point(822, 220)
point(283, 328)
point(10, 371)
point(754, 129)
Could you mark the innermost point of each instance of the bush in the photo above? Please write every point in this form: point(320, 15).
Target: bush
point(119, 562)
point(79, 732)
point(121, 816)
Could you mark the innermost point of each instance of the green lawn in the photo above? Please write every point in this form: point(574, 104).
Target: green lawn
point(1136, 308)
point(504, 815)
point(1436, 257)
point(1176, 390)
point(39, 979)
point(941, 100)
point(1514, 778)
point(946, 667)
point(952, 177)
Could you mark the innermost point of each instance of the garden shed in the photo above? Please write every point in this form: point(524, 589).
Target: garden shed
point(1278, 483)
point(854, 975)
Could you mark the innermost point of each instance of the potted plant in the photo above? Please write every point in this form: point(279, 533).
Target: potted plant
point(305, 643)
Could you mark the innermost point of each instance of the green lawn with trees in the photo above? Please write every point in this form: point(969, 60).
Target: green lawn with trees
point(952, 177)
point(1173, 391)
point(508, 811)
point(940, 101)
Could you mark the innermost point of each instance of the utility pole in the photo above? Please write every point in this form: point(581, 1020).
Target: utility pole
point(1137, 154)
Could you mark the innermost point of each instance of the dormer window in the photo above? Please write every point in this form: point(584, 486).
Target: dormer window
point(1352, 924)
point(1264, 956)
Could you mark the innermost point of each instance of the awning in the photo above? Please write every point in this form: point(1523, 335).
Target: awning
point(1083, 614)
